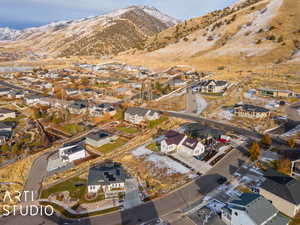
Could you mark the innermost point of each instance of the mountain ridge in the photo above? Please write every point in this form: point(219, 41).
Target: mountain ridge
point(9, 34)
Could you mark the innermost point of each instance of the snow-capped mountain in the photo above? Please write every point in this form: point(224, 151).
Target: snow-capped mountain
point(162, 21)
point(99, 35)
point(7, 34)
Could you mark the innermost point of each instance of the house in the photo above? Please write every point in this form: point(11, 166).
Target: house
point(191, 147)
point(171, 142)
point(275, 93)
point(71, 91)
point(4, 91)
point(6, 131)
point(71, 153)
point(54, 102)
point(176, 82)
point(7, 113)
point(212, 86)
point(107, 177)
point(99, 138)
point(250, 111)
point(78, 107)
point(16, 94)
point(32, 99)
point(137, 115)
point(177, 142)
point(100, 109)
point(252, 209)
point(283, 191)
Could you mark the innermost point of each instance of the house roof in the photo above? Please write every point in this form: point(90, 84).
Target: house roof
point(99, 135)
point(174, 138)
point(106, 173)
point(4, 111)
point(282, 186)
point(190, 143)
point(217, 82)
point(4, 89)
point(79, 104)
point(5, 125)
point(73, 150)
point(137, 111)
point(256, 206)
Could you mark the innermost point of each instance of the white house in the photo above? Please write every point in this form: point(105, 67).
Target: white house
point(32, 99)
point(212, 86)
point(108, 177)
point(101, 109)
point(99, 138)
point(172, 142)
point(6, 113)
point(16, 94)
point(71, 91)
point(71, 153)
point(191, 147)
point(137, 115)
point(177, 142)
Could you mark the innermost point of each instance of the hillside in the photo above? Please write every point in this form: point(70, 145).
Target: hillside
point(248, 32)
point(101, 35)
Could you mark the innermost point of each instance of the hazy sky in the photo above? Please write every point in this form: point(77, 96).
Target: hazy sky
point(27, 13)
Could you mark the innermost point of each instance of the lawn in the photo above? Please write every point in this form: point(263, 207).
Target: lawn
point(77, 188)
point(128, 130)
point(155, 123)
point(72, 128)
point(72, 185)
point(153, 147)
point(112, 146)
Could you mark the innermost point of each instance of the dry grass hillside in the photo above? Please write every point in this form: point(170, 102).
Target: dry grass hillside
point(101, 35)
point(251, 33)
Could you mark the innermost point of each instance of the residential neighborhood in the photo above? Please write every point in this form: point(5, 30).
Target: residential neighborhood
point(178, 113)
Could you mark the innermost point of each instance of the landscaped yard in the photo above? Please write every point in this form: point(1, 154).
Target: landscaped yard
point(112, 146)
point(72, 128)
point(128, 130)
point(77, 188)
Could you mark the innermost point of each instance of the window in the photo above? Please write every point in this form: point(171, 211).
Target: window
point(236, 214)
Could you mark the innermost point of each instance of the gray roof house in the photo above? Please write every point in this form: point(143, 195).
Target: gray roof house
point(138, 115)
point(108, 176)
point(7, 113)
point(99, 138)
point(212, 86)
point(283, 191)
point(252, 209)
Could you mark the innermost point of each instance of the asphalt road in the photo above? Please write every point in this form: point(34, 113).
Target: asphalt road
point(37, 172)
point(251, 135)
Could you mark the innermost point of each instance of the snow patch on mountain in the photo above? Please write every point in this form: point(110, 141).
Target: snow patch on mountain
point(81, 26)
point(170, 21)
point(7, 34)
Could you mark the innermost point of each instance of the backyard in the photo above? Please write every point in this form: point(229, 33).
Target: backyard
point(77, 188)
point(108, 148)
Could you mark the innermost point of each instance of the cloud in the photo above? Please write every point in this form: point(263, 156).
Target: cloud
point(44, 11)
